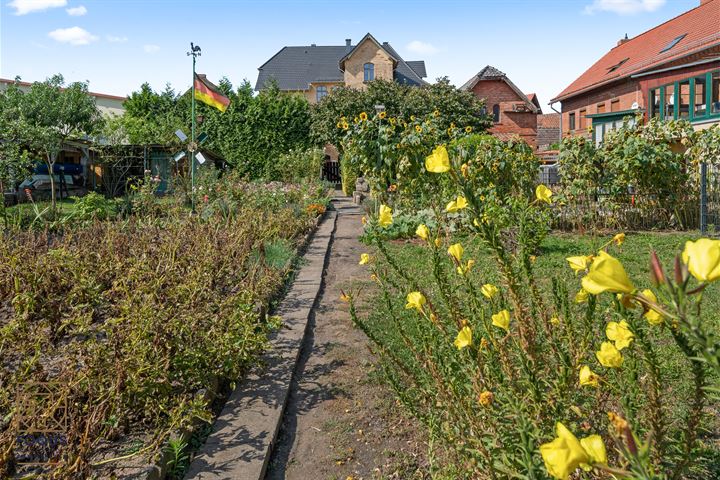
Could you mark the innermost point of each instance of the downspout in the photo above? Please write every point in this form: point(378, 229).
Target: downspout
point(561, 120)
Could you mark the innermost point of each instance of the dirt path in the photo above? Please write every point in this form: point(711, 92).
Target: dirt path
point(341, 422)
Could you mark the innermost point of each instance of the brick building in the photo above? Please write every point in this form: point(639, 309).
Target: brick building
point(315, 70)
point(670, 71)
point(513, 112)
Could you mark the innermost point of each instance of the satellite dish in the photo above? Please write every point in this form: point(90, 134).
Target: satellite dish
point(635, 106)
point(200, 158)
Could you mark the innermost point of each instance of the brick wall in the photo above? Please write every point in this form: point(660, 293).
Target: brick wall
point(498, 92)
point(367, 52)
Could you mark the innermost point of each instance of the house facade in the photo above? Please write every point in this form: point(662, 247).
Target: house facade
point(669, 72)
point(314, 70)
point(514, 112)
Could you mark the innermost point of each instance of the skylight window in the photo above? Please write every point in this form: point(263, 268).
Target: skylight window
point(672, 43)
point(618, 65)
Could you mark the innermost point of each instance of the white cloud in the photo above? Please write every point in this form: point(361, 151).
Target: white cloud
point(151, 48)
point(23, 7)
point(116, 39)
point(73, 36)
point(76, 11)
point(624, 7)
point(423, 48)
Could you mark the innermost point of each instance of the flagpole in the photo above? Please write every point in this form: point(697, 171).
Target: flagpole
point(195, 52)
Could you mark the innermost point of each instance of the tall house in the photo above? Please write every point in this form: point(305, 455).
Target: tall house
point(315, 70)
point(669, 72)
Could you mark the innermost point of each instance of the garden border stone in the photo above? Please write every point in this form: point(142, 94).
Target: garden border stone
point(244, 433)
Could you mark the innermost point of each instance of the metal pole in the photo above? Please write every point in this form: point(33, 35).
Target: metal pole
point(703, 198)
point(192, 141)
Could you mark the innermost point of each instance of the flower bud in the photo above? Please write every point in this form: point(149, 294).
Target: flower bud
point(656, 270)
point(681, 271)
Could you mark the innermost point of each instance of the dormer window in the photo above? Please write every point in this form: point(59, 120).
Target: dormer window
point(369, 72)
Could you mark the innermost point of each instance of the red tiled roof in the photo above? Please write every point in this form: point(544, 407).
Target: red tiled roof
point(94, 94)
point(701, 27)
point(548, 120)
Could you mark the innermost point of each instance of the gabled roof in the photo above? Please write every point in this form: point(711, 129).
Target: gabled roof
point(92, 94)
point(492, 73)
point(691, 32)
point(295, 68)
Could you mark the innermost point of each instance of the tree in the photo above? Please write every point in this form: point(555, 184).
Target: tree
point(455, 106)
point(14, 159)
point(51, 114)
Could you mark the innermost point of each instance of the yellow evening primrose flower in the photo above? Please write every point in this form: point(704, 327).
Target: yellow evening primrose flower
point(422, 231)
point(607, 275)
point(457, 204)
point(464, 269)
point(486, 398)
point(609, 356)
point(363, 220)
point(703, 259)
point(502, 320)
point(579, 263)
point(555, 320)
point(415, 300)
point(456, 251)
point(543, 193)
point(595, 448)
point(344, 297)
point(581, 296)
point(385, 218)
point(588, 378)
point(438, 161)
point(619, 239)
point(563, 455)
point(620, 333)
point(464, 338)
point(489, 290)
point(653, 317)
point(364, 259)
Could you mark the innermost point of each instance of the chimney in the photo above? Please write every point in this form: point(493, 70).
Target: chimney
point(348, 42)
point(623, 40)
point(313, 45)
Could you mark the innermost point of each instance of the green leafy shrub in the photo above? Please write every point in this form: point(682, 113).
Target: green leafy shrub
point(295, 166)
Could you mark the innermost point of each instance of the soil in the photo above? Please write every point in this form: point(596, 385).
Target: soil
point(341, 421)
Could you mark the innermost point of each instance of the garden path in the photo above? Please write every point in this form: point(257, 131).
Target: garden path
point(341, 422)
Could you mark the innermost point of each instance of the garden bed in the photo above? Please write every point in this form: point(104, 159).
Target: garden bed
point(135, 323)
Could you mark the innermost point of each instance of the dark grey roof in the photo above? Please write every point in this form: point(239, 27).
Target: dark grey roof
point(295, 68)
point(418, 67)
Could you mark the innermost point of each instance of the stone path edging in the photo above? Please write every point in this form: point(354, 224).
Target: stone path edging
point(244, 434)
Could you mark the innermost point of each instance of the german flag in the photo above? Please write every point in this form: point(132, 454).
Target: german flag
point(209, 94)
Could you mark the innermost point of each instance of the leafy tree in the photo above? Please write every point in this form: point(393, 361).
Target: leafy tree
point(454, 107)
point(14, 159)
point(51, 114)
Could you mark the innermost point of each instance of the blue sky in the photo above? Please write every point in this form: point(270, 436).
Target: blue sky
point(117, 45)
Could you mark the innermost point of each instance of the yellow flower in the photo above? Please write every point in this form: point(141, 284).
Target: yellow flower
point(609, 356)
point(418, 128)
point(653, 317)
point(464, 338)
point(620, 333)
point(456, 251)
point(363, 220)
point(436, 113)
point(344, 297)
point(385, 219)
point(464, 168)
point(502, 320)
point(423, 231)
point(619, 239)
point(595, 448)
point(374, 278)
point(468, 129)
point(581, 296)
point(579, 263)
point(438, 161)
point(543, 193)
point(489, 290)
point(382, 115)
point(533, 258)
point(555, 320)
point(415, 300)
point(458, 204)
point(486, 398)
point(363, 116)
point(364, 259)
point(464, 269)
point(588, 378)
point(563, 455)
point(607, 275)
point(703, 259)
